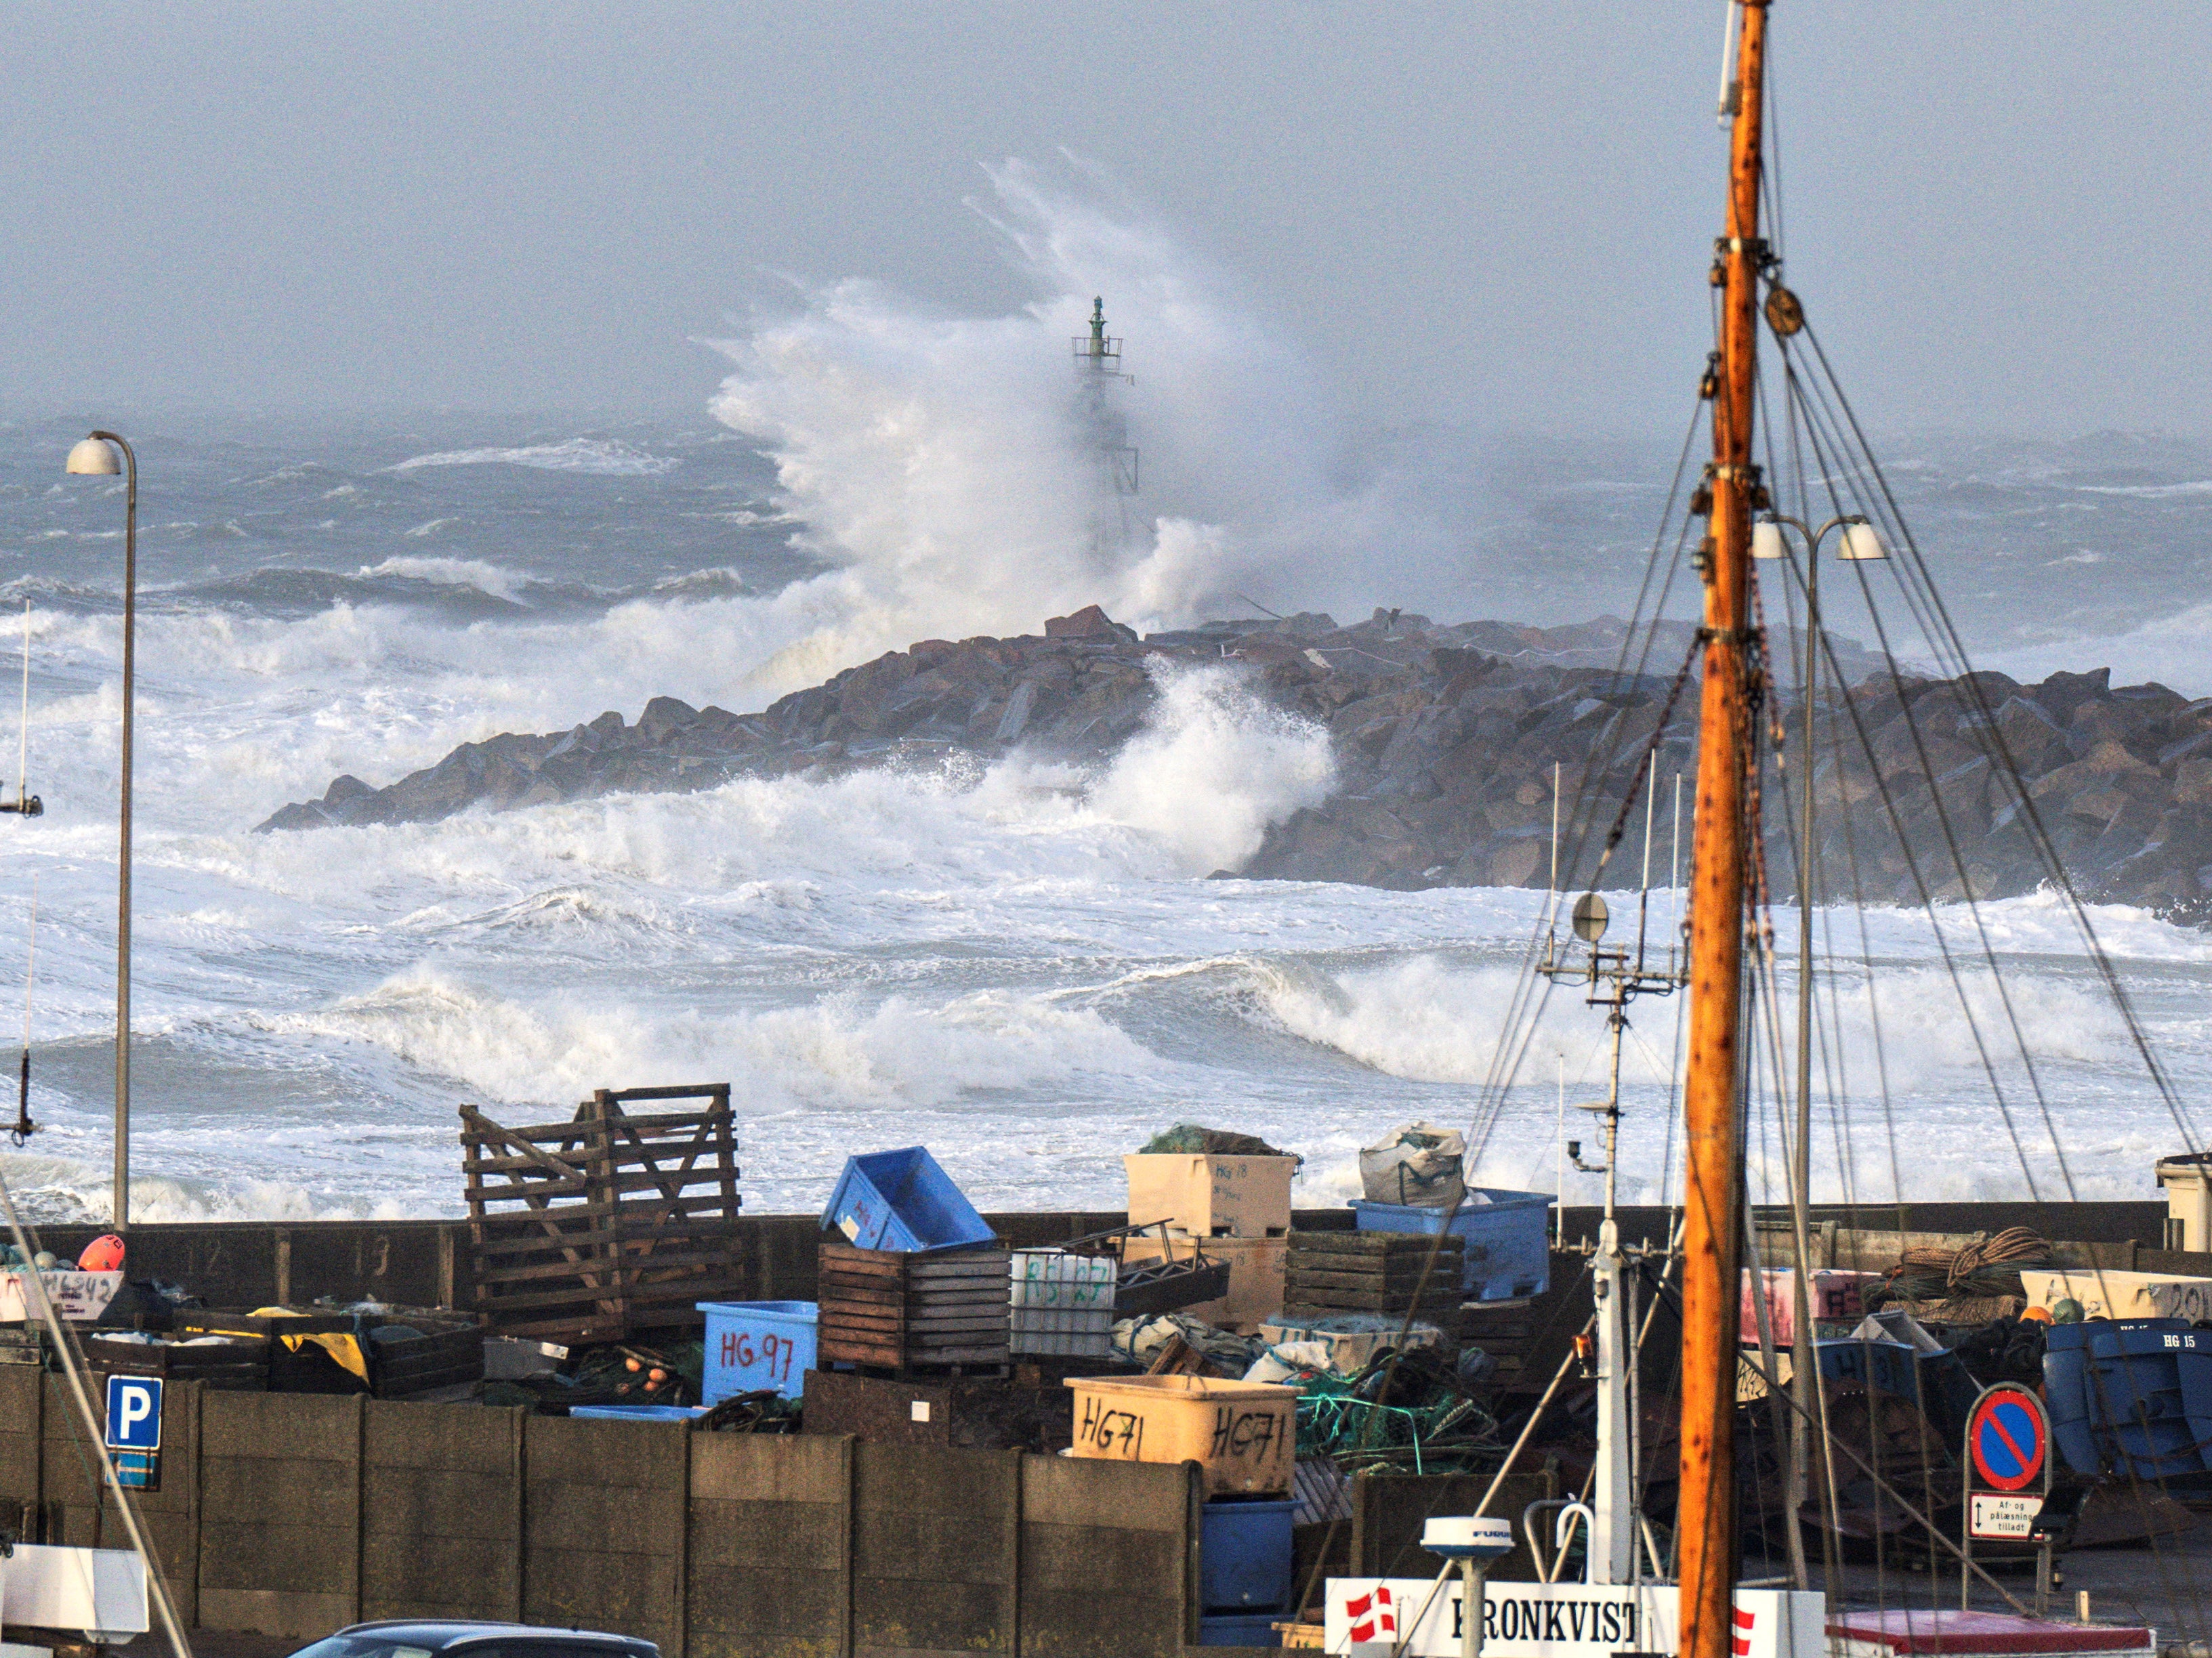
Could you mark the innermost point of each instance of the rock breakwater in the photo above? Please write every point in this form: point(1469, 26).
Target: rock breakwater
point(1447, 739)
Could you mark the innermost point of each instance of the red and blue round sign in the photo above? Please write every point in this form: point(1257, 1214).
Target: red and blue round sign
point(2006, 1439)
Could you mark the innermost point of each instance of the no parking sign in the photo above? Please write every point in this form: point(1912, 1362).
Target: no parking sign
point(2008, 1474)
point(2006, 1440)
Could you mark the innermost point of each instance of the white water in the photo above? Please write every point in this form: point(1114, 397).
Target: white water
point(1026, 969)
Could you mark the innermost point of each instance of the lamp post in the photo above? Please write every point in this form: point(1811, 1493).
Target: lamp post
point(1859, 543)
point(96, 458)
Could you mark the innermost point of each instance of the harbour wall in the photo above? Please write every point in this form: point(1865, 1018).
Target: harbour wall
point(425, 1263)
point(295, 1514)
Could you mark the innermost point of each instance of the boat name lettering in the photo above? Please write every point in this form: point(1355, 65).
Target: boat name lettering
point(1517, 1618)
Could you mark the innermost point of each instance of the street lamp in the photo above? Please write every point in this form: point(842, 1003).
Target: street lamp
point(1859, 544)
point(96, 458)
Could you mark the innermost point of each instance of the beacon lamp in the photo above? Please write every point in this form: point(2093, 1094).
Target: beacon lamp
point(1478, 1543)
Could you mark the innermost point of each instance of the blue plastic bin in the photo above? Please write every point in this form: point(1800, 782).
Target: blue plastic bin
point(2131, 1397)
point(752, 1345)
point(638, 1413)
point(1244, 1555)
point(1241, 1629)
point(902, 1201)
point(1508, 1239)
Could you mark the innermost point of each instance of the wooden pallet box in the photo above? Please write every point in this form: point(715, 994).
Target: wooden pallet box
point(1373, 1271)
point(612, 1225)
point(899, 1312)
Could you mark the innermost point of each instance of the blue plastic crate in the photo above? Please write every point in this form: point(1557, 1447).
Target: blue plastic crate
point(902, 1201)
point(638, 1413)
point(752, 1345)
point(2131, 1397)
point(1244, 1555)
point(1508, 1240)
point(1241, 1629)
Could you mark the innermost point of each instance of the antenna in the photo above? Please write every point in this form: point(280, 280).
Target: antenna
point(26, 803)
point(25, 1127)
point(1644, 895)
point(1559, 1155)
point(1675, 864)
point(1552, 896)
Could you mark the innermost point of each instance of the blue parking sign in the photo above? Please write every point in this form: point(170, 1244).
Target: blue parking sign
point(134, 1414)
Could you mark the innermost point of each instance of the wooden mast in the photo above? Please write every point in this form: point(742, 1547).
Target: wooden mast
point(1712, 1230)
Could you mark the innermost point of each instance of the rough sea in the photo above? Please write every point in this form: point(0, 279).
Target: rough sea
point(1023, 968)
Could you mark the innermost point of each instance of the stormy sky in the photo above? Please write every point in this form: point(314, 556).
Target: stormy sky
point(1494, 213)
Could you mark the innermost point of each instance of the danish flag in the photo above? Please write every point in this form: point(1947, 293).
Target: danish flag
point(1373, 1613)
point(1743, 1642)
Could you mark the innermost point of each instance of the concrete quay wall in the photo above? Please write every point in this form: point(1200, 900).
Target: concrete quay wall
point(294, 1515)
point(425, 1263)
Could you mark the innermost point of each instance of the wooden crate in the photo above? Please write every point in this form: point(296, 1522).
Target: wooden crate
point(608, 1226)
point(1372, 1272)
point(905, 1313)
point(448, 1351)
point(239, 1366)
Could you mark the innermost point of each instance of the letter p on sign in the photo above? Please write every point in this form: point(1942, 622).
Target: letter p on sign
point(134, 1414)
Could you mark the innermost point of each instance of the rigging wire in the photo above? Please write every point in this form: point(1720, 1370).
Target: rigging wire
point(1949, 638)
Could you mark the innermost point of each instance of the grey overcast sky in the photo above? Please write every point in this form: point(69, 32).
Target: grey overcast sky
point(1497, 212)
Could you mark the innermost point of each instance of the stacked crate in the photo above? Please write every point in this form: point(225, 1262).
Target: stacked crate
point(1063, 1303)
point(913, 1314)
point(1376, 1272)
point(1236, 1208)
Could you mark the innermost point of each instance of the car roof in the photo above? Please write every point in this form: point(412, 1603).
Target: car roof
point(440, 1634)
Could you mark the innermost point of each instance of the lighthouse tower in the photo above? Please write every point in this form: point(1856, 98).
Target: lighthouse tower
point(1105, 432)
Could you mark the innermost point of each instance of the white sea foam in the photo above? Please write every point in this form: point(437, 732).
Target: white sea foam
point(605, 457)
point(475, 572)
point(943, 465)
point(2175, 651)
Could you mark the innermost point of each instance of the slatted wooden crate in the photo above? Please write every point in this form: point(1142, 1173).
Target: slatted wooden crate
point(239, 1366)
point(946, 1311)
point(609, 1226)
point(1372, 1272)
point(446, 1349)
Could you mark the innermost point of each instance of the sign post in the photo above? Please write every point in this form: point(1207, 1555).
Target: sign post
point(2006, 1479)
point(134, 1430)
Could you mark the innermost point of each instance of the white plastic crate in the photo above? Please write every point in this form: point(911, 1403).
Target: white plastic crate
point(1068, 1332)
point(1053, 1278)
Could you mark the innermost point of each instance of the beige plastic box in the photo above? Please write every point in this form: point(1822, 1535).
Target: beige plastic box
point(2114, 1294)
point(1243, 1434)
point(1211, 1196)
point(1349, 1351)
point(1256, 1271)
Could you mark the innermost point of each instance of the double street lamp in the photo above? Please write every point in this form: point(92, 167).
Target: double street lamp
point(96, 458)
point(1860, 543)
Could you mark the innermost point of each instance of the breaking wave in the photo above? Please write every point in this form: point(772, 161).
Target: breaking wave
point(603, 456)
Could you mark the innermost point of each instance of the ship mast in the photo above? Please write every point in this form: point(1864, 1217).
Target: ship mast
point(1713, 1205)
